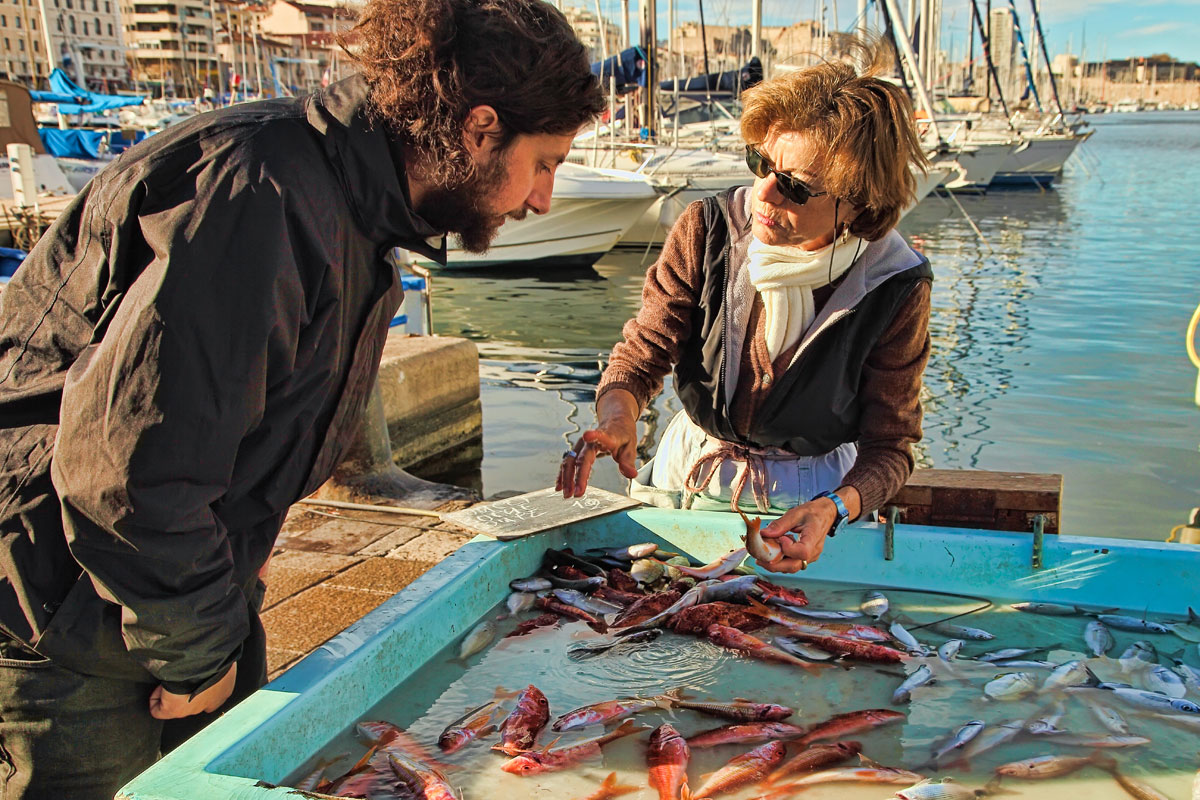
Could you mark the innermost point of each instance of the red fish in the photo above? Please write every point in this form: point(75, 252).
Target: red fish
point(747, 733)
point(532, 762)
point(697, 618)
point(622, 581)
point(846, 724)
point(854, 648)
point(745, 769)
point(529, 716)
point(816, 757)
point(386, 736)
point(612, 710)
point(734, 639)
point(649, 606)
point(668, 758)
point(798, 625)
point(562, 609)
point(543, 621)
point(610, 788)
point(475, 724)
point(794, 597)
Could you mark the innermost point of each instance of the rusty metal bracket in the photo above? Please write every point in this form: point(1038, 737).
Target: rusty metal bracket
point(889, 533)
point(1039, 539)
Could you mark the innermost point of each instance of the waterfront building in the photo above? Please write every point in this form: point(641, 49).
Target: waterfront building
point(588, 28)
point(84, 37)
point(310, 31)
point(171, 45)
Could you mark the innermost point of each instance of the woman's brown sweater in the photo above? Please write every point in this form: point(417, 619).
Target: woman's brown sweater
point(891, 376)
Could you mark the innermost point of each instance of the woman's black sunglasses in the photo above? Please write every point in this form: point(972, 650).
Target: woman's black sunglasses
point(791, 188)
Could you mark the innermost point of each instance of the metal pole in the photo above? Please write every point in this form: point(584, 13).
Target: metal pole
point(918, 81)
point(650, 40)
point(862, 18)
point(51, 64)
point(756, 26)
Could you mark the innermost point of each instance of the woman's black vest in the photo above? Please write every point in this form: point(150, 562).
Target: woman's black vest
point(814, 406)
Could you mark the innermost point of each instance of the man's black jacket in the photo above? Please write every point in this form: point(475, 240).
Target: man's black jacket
point(182, 356)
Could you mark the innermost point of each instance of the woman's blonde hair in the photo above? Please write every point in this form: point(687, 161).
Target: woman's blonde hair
point(864, 123)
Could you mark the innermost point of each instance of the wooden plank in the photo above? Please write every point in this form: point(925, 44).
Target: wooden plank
point(980, 499)
point(514, 517)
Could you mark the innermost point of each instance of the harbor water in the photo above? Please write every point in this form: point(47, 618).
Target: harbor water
point(446, 687)
point(1059, 349)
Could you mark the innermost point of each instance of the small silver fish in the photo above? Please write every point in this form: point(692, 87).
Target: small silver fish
point(1098, 638)
point(1160, 679)
point(949, 650)
point(1008, 653)
point(957, 740)
point(901, 635)
point(1190, 675)
point(1047, 723)
point(627, 553)
point(1108, 717)
point(518, 602)
point(531, 584)
point(1070, 673)
point(992, 737)
point(1127, 623)
point(802, 649)
point(476, 639)
point(623, 645)
point(817, 613)
point(921, 677)
point(1137, 656)
point(592, 605)
point(1021, 663)
point(1048, 609)
point(962, 632)
point(1154, 700)
point(874, 604)
point(944, 789)
point(1010, 686)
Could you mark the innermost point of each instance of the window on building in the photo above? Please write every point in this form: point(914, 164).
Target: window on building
point(21, 45)
point(110, 33)
point(36, 48)
point(4, 20)
point(70, 4)
point(97, 26)
point(7, 45)
point(85, 30)
point(60, 25)
point(71, 25)
point(17, 22)
point(95, 5)
point(107, 7)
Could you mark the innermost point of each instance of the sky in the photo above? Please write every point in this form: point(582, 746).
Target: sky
point(1115, 29)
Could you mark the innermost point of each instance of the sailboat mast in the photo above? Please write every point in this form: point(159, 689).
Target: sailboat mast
point(1037, 21)
point(991, 66)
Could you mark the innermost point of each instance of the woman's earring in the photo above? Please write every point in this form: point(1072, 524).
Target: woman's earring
point(845, 237)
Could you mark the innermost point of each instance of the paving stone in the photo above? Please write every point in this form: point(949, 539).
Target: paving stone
point(433, 545)
point(335, 536)
point(390, 542)
point(308, 561)
point(299, 520)
point(381, 574)
point(279, 660)
point(283, 582)
point(310, 618)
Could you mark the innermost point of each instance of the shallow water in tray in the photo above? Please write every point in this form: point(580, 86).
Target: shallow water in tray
point(445, 688)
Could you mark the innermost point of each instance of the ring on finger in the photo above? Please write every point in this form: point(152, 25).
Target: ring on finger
point(803, 564)
point(570, 454)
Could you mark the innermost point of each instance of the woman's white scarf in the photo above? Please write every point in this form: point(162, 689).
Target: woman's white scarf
point(785, 278)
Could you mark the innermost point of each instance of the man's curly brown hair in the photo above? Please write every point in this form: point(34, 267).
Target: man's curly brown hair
point(429, 62)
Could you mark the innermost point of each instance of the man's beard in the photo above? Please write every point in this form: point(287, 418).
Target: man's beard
point(463, 210)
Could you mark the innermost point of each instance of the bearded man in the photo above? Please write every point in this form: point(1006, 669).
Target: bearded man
point(186, 351)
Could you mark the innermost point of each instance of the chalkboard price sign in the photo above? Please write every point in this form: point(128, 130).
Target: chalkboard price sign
point(514, 517)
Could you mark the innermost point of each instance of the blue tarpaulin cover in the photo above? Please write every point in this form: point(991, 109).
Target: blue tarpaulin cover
point(83, 143)
point(728, 81)
point(629, 67)
point(10, 259)
point(72, 99)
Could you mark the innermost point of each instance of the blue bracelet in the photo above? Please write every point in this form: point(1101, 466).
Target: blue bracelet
point(843, 512)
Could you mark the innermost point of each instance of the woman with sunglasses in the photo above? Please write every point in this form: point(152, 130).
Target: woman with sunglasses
point(794, 316)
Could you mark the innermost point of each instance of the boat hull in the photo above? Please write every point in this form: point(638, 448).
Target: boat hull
point(1037, 162)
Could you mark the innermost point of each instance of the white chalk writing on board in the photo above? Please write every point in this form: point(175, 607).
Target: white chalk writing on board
point(529, 513)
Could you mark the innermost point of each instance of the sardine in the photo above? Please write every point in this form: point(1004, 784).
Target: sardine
point(874, 604)
point(814, 613)
point(611, 710)
point(1127, 623)
point(746, 733)
point(957, 740)
point(901, 635)
point(717, 568)
point(577, 584)
point(745, 769)
point(562, 609)
point(1097, 740)
point(1048, 609)
point(1008, 653)
point(612, 647)
point(533, 762)
point(739, 710)
point(815, 757)
point(950, 650)
point(668, 757)
point(1160, 679)
point(1108, 717)
point(1053, 766)
point(1023, 663)
point(1190, 675)
point(1010, 686)
point(531, 584)
point(476, 639)
point(727, 588)
point(1098, 638)
point(843, 725)
point(1153, 700)
point(592, 605)
point(1047, 723)
point(992, 737)
point(962, 632)
point(520, 729)
point(944, 789)
point(1070, 673)
point(518, 602)
point(1137, 656)
point(921, 677)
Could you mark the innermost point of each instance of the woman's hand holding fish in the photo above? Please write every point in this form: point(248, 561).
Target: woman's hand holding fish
point(615, 434)
point(801, 531)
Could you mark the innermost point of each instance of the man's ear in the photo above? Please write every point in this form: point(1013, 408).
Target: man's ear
point(481, 131)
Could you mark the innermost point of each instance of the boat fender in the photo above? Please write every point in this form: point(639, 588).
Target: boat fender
point(1189, 533)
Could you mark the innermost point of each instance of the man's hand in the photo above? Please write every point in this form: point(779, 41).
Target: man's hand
point(168, 705)
point(801, 531)
point(615, 434)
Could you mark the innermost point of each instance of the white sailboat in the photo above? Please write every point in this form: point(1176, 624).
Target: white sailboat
point(589, 211)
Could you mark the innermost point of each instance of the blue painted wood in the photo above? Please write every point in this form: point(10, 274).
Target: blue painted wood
point(273, 732)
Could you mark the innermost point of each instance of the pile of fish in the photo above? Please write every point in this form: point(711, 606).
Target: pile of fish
point(633, 595)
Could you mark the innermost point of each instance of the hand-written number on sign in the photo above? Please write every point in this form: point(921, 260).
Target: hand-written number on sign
point(587, 503)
